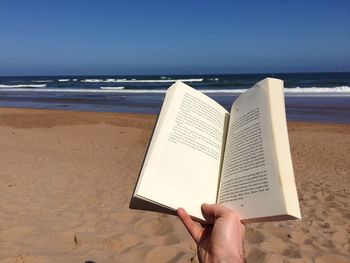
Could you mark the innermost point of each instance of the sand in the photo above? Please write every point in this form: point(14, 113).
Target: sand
point(66, 179)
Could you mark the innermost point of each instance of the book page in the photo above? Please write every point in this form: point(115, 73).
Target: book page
point(250, 181)
point(183, 164)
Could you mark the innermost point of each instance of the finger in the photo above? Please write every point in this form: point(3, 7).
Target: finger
point(212, 211)
point(194, 229)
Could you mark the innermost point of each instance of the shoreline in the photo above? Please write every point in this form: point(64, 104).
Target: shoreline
point(67, 178)
point(110, 114)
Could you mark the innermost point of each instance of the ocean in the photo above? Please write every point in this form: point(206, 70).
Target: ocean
point(319, 97)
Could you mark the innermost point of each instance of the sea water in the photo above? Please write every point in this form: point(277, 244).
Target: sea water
point(321, 97)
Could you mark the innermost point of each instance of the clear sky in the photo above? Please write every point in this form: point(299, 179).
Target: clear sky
point(50, 37)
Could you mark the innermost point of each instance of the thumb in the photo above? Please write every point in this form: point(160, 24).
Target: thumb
point(211, 212)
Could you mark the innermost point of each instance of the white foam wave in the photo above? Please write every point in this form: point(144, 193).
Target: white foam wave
point(140, 80)
point(42, 81)
point(334, 92)
point(112, 88)
point(317, 89)
point(82, 90)
point(64, 80)
point(344, 90)
point(92, 80)
point(230, 91)
point(23, 86)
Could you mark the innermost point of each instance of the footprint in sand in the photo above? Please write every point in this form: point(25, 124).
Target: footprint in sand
point(256, 255)
point(292, 252)
point(170, 239)
point(271, 247)
point(68, 239)
point(160, 254)
point(341, 237)
point(254, 236)
point(278, 232)
point(155, 226)
point(124, 242)
point(175, 238)
point(26, 259)
point(325, 242)
point(14, 233)
point(332, 258)
point(298, 236)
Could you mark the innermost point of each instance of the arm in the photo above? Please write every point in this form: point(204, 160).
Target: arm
point(220, 242)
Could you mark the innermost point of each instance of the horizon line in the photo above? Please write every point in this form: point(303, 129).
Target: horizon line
point(177, 74)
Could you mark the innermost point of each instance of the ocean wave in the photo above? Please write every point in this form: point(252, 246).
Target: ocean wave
point(84, 90)
point(23, 86)
point(296, 90)
point(314, 91)
point(140, 80)
point(42, 81)
point(317, 89)
point(64, 80)
point(112, 88)
point(60, 90)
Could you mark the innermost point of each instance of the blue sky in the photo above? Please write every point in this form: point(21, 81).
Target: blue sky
point(164, 37)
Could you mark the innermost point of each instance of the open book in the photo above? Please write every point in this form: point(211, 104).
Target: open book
point(200, 153)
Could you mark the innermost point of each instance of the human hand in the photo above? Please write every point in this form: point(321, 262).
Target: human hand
point(220, 242)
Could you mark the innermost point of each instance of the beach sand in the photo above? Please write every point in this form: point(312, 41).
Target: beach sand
point(66, 179)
